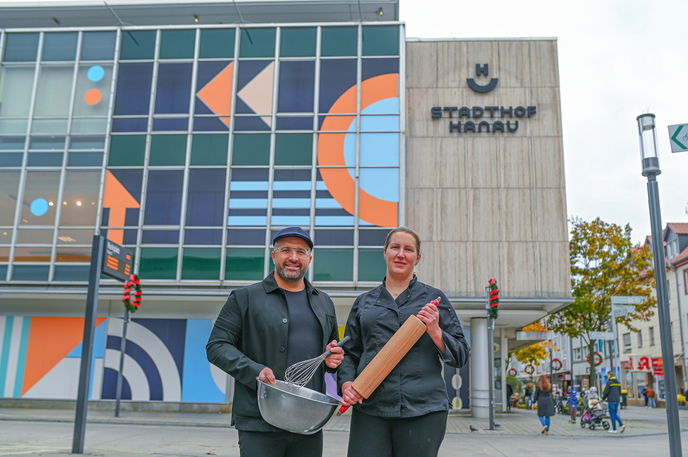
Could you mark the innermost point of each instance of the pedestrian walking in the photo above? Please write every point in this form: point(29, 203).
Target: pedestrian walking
point(573, 404)
point(651, 397)
point(624, 399)
point(406, 416)
point(644, 394)
point(509, 394)
point(545, 402)
point(612, 393)
point(265, 327)
point(529, 395)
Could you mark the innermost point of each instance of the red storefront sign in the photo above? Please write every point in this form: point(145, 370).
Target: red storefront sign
point(644, 363)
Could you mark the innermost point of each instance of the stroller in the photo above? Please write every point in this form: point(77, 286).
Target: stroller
point(595, 416)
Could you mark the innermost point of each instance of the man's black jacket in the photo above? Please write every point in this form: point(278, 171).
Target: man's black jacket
point(251, 333)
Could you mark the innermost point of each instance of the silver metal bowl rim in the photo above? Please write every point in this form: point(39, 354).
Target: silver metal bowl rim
point(331, 402)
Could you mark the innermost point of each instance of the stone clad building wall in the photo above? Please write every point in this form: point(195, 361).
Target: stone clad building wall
point(490, 203)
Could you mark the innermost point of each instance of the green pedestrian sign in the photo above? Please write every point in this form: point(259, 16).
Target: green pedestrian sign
point(678, 137)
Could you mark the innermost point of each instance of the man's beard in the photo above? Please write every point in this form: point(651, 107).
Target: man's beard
point(288, 275)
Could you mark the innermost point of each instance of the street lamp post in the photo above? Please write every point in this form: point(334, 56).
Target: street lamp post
point(650, 161)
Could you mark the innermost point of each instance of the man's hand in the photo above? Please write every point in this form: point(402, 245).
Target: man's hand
point(266, 375)
point(349, 394)
point(335, 359)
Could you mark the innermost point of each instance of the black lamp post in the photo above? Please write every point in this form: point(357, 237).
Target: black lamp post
point(648, 153)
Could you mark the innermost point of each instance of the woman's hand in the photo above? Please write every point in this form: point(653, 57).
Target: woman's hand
point(335, 359)
point(349, 394)
point(430, 316)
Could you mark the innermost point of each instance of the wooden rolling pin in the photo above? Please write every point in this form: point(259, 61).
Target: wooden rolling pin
point(389, 357)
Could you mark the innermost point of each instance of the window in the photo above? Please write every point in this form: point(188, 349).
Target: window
point(627, 342)
point(577, 354)
point(652, 336)
point(640, 339)
point(685, 281)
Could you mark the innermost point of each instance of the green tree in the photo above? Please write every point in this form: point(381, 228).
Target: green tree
point(532, 355)
point(603, 263)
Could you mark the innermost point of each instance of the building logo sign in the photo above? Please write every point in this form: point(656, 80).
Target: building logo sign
point(482, 70)
point(488, 118)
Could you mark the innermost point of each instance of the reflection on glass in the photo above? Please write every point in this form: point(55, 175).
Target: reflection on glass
point(56, 126)
point(5, 236)
point(20, 47)
point(54, 91)
point(30, 273)
point(32, 253)
point(13, 126)
point(9, 186)
point(96, 125)
point(80, 198)
point(15, 89)
point(34, 236)
point(40, 198)
point(73, 254)
point(59, 46)
point(98, 45)
point(75, 236)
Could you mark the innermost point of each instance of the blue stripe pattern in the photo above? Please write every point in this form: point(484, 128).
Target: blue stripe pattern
point(21, 359)
point(5, 354)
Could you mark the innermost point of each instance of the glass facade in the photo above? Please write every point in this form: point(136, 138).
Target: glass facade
point(192, 146)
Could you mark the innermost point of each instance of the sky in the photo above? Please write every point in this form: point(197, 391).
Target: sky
point(617, 60)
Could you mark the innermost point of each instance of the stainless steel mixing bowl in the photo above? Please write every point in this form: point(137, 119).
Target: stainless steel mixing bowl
point(294, 408)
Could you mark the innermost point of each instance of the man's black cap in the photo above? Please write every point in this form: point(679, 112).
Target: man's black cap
point(298, 232)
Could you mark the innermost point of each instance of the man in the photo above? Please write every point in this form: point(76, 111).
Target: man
point(265, 327)
point(651, 397)
point(612, 393)
point(573, 404)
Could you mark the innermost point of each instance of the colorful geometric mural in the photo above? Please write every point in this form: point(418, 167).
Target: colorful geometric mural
point(165, 359)
point(380, 90)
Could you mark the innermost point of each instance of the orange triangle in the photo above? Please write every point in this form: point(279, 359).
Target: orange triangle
point(50, 340)
point(217, 94)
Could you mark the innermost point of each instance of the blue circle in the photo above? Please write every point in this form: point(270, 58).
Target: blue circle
point(39, 207)
point(96, 73)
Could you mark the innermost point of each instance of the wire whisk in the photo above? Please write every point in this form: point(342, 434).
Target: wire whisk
point(301, 373)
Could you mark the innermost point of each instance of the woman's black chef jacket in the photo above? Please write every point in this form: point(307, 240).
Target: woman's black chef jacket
point(415, 387)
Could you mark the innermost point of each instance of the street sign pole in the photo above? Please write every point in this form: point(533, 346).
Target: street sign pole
point(87, 344)
point(122, 350)
point(664, 317)
point(490, 358)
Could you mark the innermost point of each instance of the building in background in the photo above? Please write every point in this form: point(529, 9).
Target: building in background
point(190, 132)
point(641, 355)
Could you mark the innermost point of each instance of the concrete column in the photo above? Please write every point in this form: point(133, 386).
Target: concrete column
point(479, 366)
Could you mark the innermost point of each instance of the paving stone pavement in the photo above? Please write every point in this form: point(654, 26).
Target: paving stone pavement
point(48, 433)
point(638, 421)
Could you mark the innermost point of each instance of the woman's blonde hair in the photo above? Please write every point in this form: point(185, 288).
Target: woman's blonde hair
point(543, 383)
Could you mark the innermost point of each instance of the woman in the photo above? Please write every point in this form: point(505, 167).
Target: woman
point(407, 413)
point(545, 402)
